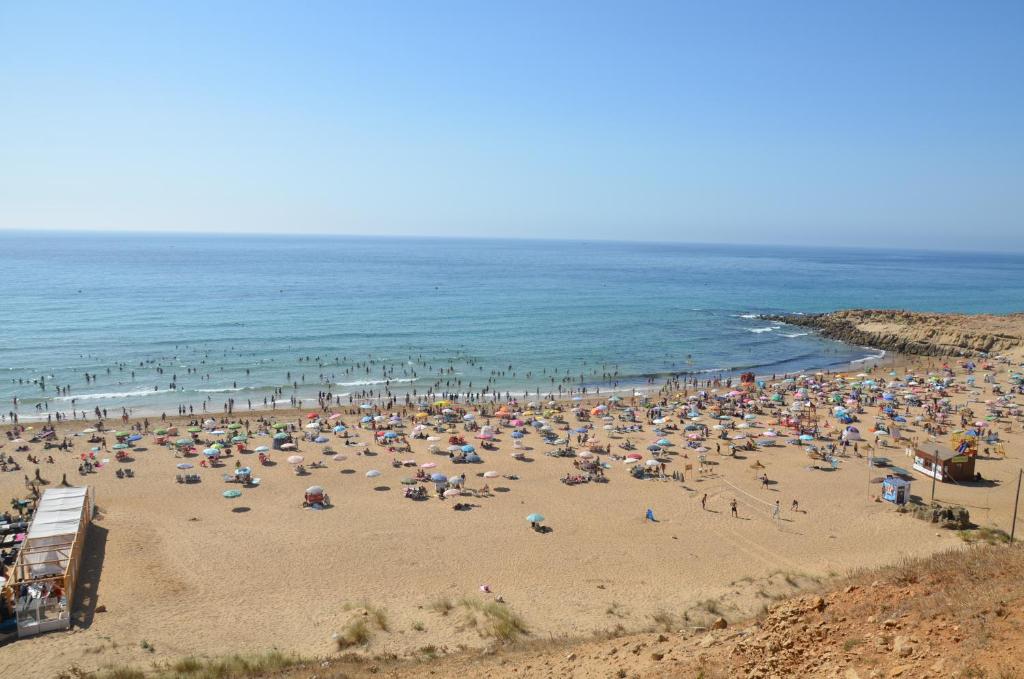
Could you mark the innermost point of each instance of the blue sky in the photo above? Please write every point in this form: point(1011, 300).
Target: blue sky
point(787, 122)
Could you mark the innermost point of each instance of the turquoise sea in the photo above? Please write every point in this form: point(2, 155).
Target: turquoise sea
point(164, 320)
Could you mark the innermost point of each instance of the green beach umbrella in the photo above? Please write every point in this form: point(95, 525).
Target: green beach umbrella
point(119, 434)
point(279, 425)
point(160, 432)
point(231, 493)
point(234, 425)
point(238, 439)
point(194, 430)
point(183, 442)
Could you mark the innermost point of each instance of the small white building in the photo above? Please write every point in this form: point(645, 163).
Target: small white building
point(45, 574)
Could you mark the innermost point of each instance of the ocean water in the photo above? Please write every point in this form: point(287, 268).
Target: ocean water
point(165, 320)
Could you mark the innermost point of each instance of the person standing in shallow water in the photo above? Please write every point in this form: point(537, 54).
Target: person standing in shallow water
point(732, 508)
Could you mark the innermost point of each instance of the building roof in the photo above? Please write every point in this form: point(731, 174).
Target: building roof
point(935, 451)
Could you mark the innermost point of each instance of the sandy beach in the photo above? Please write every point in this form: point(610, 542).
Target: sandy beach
point(177, 569)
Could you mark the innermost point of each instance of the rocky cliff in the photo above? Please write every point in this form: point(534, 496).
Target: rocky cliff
point(910, 332)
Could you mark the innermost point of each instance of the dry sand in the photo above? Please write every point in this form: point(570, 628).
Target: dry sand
point(190, 572)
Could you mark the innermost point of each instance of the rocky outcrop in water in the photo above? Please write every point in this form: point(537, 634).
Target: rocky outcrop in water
point(911, 332)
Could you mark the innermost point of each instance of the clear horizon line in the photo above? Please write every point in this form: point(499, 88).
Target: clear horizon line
point(563, 239)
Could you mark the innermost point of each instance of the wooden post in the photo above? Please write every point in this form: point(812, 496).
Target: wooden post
point(1016, 500)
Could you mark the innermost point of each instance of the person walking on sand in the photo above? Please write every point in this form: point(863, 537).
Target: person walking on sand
point(649, 516)
point(795, 507)
point(704, 502)
point(776, 509)
point(732, 508)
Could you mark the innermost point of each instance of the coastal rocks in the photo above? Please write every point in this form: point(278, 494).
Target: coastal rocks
point(924, 334)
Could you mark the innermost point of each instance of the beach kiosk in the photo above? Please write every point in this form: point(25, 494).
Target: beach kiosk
point(41, 588)
point(895, 490)
point(942, 463)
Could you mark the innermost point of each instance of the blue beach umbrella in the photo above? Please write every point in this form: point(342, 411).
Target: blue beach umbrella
point(517, 434)
point(535, 518)
point(320, 439)
point(339, 429)
point(366, 418)
point(391, 435)
point(581, 430)
point(806, 437)
point(438, 477)
point(653, 448)
point(467, 448)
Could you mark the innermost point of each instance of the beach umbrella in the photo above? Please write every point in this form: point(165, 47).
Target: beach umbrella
point(653, 448)
point(92, 430)
point(517, 434)
point(279, 425)
point(185, 465)
point(366, 406)
point(486, 437)
point(234, 425)
point(365, 419)
point(652, 463)
point(121, 434)
point(468, 417)
point(194, 430)
point(408, 481)
point(372, 474)
point(516, 423)
point(238, 439)
point(438, 477)
point(120, 446)
point(211, 452)
point(490, 475)
point(467, 448)
point(635, 456)
point(183, 442)
point(664, 442)
point(262, 449)
point(535, 518)
point(280, 436)
point(333, 417)
point(581, 430)
point(390, 435)
point(452, 492)
point(288, 446)
point(233, 493)
point(135, 437)
point(428, 465)
point(339, 458)
point(806, 437)
point(320, 439)
point(218, 445)
point(339, 429)
point(585, 454)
